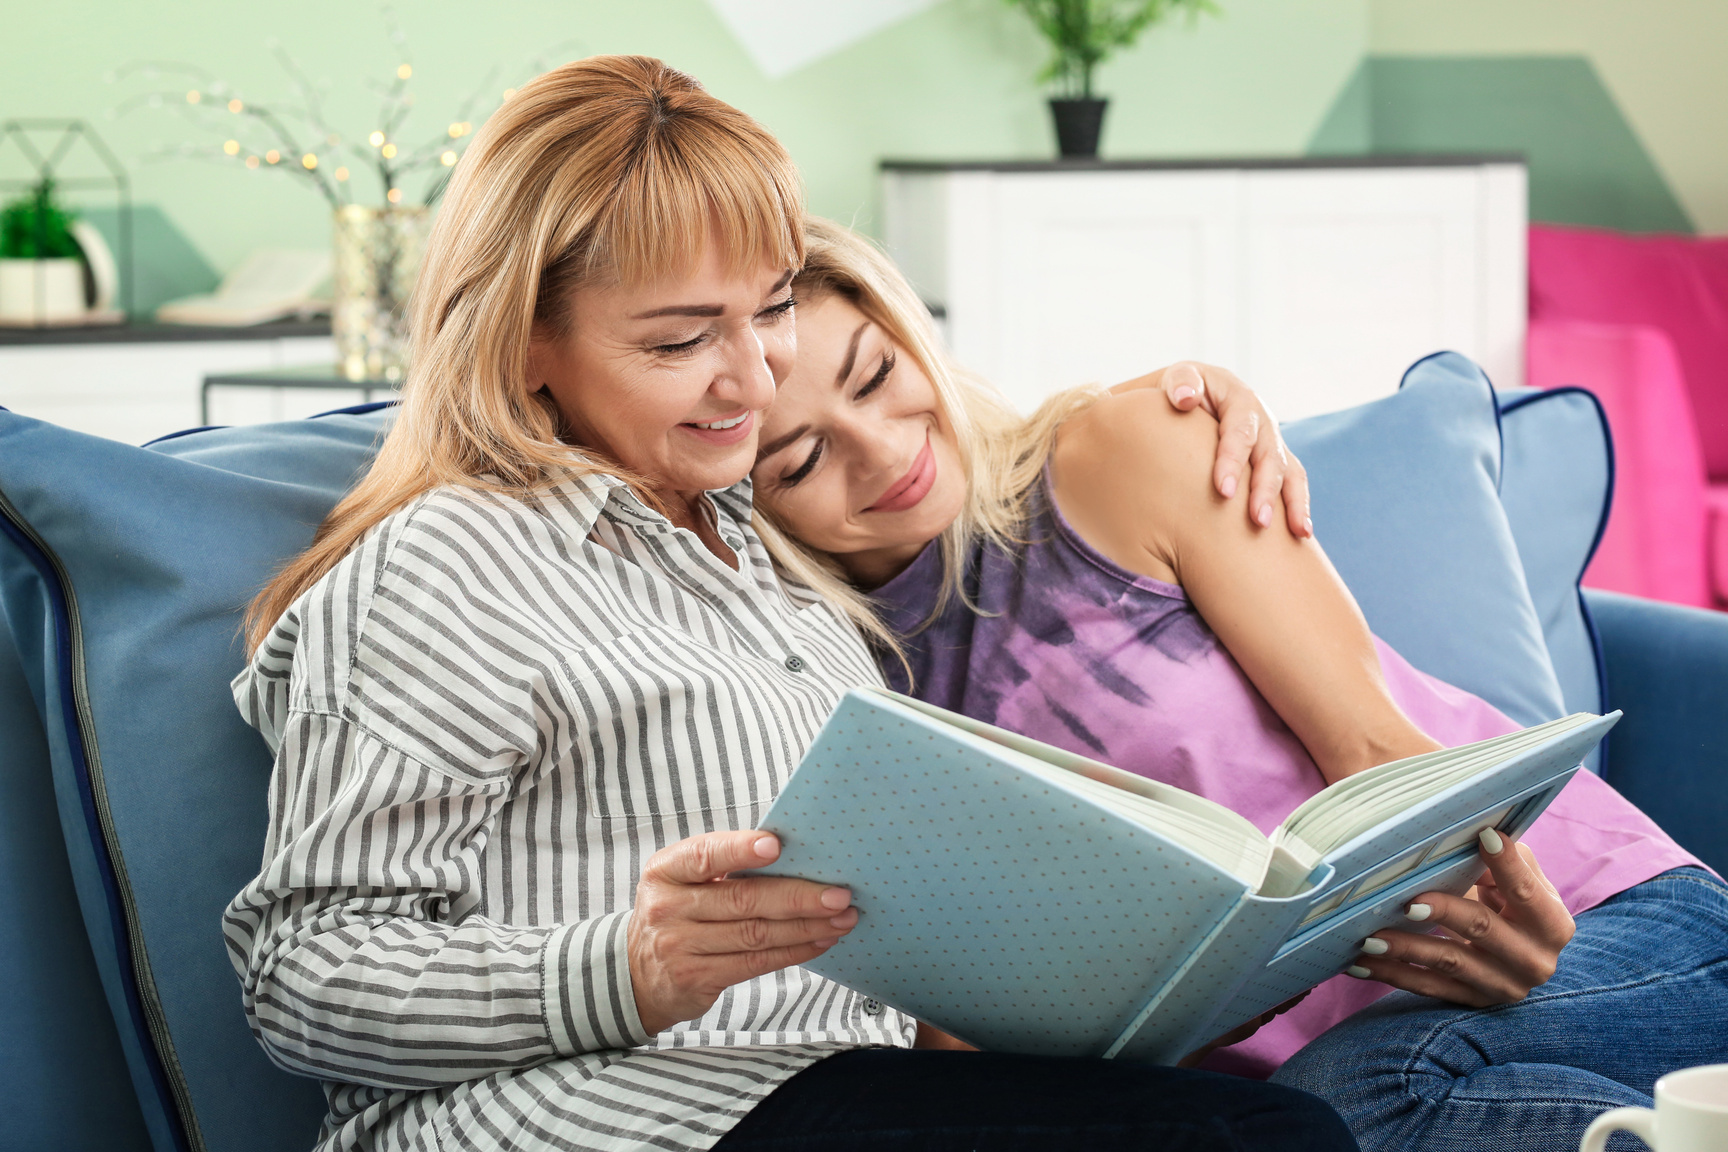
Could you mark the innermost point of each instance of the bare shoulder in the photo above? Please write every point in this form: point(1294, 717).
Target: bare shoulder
point(1136, 437)
point(1132, 475)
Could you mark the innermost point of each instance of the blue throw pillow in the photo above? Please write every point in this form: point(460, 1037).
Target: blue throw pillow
point(60, 1058)
point(1556, 484)
point(131, 567)
point(1406, 503)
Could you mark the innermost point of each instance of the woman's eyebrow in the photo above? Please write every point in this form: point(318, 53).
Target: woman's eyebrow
point(851, 354)
point(704, 310)
point(683, 310)
point(780, 442)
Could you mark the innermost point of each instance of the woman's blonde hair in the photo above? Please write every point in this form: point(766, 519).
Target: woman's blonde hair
point(613, 169)
point(1001, 452)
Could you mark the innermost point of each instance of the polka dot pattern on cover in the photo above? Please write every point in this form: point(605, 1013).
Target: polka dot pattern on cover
point(1065, 919)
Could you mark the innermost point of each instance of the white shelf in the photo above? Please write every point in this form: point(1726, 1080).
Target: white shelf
point(136, 392)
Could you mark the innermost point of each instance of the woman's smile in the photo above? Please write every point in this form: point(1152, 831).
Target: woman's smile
point(729, 429)
point(911, 488)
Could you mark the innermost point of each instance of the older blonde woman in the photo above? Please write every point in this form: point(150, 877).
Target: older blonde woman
point(537, 677)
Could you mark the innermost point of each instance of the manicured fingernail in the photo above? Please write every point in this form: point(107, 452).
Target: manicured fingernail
point(767, 847)
point(1491, 842)
point(1374, 946)
point(1264, 516)
point(836, 898)
point(845, 920)
point(1418, 912)
point(1183, 392)
point(1228, 487)
point(1358, 971)
point(1308, 525)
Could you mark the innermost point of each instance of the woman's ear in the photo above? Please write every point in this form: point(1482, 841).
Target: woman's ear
point(541, 352)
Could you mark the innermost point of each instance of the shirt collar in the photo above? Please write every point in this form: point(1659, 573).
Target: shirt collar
point(586, 496)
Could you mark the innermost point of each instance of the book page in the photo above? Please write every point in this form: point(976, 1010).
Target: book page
point(1341, 812)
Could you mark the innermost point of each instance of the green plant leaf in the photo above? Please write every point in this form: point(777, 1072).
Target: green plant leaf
point(1085, 33)
point(35, 227)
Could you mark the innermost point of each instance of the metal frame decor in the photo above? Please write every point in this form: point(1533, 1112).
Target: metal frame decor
point(22, 133)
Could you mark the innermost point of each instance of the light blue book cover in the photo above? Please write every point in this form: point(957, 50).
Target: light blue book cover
point(1027, 899)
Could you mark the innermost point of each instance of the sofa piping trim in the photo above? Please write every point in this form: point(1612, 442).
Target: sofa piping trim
point(1601, 529)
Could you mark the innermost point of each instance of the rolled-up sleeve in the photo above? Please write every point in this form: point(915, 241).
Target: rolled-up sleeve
point(359, 952)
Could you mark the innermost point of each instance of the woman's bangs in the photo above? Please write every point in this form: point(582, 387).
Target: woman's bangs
point(666, 213)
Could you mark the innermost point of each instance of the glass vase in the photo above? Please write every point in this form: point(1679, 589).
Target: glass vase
point(377, 260)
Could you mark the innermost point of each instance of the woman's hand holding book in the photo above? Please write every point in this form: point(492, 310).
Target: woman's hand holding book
point(1496, 946)
point(696, 930)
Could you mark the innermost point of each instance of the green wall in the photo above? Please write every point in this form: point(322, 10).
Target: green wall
point(953, 81)
point(1587, 165)
point(1617, 104)
point(1660, 60)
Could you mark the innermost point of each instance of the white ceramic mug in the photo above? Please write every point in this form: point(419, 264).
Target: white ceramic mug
point(1691, 1115)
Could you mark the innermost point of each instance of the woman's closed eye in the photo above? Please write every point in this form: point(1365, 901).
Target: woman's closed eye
point(879, 379)
point(769, 315)
point(683, 348)
point(803, 469)
point(778, 311)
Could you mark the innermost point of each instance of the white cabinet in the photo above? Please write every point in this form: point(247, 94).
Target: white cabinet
point(1318, 283)
point(138, 390)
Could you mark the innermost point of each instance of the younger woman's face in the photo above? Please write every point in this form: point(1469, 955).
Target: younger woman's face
point(857, 458)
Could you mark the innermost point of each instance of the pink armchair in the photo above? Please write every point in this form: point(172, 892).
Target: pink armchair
point(1642, 322)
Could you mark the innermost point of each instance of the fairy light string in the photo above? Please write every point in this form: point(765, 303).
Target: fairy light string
point(296, 136)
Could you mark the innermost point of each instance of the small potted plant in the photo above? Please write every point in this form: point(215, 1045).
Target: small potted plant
point(1083, 34)
point(41, 275)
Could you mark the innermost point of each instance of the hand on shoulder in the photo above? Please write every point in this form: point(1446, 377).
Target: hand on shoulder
point(1250, 450)
point(1134, 477)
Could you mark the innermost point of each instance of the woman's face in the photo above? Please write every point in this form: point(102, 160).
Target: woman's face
point(671, 379)
point(858, 459)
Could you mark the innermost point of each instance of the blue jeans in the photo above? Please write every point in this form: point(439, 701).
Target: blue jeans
point(903, 1100)
point(1641, 990)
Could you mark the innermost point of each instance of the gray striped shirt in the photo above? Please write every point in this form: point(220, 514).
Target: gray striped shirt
point(485, 719)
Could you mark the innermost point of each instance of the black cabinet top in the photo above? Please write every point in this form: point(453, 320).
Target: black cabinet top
point(158, 333)
point(1379, 160)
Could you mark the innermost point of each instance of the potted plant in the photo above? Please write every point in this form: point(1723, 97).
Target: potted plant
point(1083, 34)
point(41, 275)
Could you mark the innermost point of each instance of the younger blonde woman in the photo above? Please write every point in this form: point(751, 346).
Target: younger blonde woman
point(1077, 578)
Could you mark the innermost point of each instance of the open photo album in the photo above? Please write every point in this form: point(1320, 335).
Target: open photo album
point(1027, 899)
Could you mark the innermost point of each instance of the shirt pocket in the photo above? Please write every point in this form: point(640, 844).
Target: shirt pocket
point(667, 726)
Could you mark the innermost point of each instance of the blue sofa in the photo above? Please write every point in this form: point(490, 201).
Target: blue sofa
point(133, 799)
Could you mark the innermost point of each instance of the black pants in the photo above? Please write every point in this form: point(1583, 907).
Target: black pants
point(906, 1100)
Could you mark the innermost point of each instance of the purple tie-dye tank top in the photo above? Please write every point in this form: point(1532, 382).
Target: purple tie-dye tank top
point(1072, 649)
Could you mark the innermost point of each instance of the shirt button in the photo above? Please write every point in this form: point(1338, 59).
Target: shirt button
point(872, 1007)
point(794, 664)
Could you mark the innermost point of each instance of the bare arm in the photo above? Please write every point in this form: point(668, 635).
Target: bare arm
point(1134, 478)
point(1250, 446)
point(1131, 474)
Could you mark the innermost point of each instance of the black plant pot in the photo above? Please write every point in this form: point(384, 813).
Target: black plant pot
point(1077, 125)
